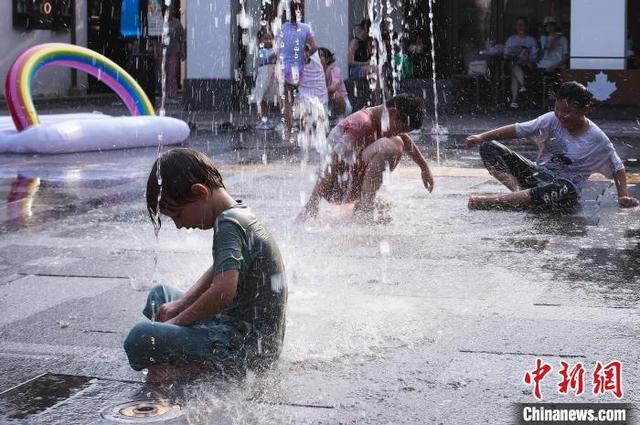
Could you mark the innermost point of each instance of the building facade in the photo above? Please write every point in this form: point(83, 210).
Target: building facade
point(221, 43)
point(21, 31)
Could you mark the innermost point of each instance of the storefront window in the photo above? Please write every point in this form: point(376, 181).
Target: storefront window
point(43, 14)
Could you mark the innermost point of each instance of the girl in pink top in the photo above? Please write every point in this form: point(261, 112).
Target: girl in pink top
point(361, 147)
point(339, 104)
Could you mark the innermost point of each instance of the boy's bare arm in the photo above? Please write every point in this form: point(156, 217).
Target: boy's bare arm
point(413, 151)
point(172, 309)
point(320, 188)
point(216, 298)
point(624, 200)
point(415, 154)
point(506, 132)
point(311, 207)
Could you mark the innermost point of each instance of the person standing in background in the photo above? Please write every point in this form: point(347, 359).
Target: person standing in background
point(291, 41)
point(176, 53)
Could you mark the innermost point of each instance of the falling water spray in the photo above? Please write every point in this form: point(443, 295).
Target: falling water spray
point(379, 57)
point(436, 129)
point(165, 44)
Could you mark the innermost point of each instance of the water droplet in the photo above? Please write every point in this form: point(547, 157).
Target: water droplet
point(386, 176)
point(385, 248)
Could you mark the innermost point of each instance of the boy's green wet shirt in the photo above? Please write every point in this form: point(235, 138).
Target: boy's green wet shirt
point(233, 316)
point(242, 243)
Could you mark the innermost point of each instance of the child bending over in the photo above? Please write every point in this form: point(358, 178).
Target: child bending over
point(361, 147)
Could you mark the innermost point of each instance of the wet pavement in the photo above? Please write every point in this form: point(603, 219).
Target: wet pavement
point(433, 316)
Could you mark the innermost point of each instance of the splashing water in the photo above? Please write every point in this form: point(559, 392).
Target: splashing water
point(276, 28)
point(311, 113)
point(165, 43)
point(435, 85)
point(156, 217)
point(379, 57)
point(163, 80)
point(386, 175)
point(314, 124)
point(433, 64)
point(385, 252)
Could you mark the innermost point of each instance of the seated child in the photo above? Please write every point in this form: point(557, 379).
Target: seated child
point(266, 88)
point(361, 147)
point(571, 148)
point(233, 317)
point(339, 104)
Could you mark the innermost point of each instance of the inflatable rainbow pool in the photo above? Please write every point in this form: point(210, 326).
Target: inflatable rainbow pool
point(72, 133)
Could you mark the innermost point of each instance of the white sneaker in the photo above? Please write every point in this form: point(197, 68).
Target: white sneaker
point(514, 105)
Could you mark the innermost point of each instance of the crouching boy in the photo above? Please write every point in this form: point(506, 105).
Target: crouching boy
point(233, 317)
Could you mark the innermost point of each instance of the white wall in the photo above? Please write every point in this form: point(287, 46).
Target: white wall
point(209, 39)
point(598, 43)
point(14, 41)
point(330, 22)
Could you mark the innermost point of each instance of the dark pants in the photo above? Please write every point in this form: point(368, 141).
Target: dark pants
point(547, 191)
point(219, 342)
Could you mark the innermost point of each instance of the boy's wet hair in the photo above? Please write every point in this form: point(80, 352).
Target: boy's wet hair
point(326, 54)
point(180, 169)
point(410, 109)
point(576, 93)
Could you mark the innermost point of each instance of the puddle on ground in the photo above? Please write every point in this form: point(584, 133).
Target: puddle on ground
point(39, 394)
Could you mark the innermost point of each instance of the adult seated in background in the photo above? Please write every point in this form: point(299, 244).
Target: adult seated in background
point(555, 52)
point(521, 50)
point(360, 51)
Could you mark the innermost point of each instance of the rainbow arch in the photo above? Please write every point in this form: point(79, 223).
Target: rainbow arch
point(17, 88)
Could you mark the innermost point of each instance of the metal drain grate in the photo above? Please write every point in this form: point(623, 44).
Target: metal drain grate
point(144, 411)
point(40, 393)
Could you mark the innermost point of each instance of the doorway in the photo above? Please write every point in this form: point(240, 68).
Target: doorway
point(103, 36)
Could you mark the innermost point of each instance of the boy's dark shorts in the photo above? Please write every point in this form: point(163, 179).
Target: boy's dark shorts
point(547, 191)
